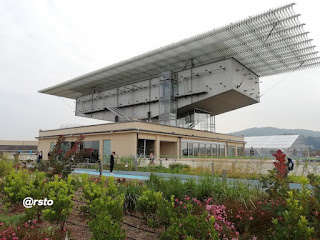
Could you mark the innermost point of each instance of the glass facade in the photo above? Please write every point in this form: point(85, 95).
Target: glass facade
point(167, 102)
point(231, 151)
point(240, 151)
point(145, 147)
point(199, 120)
point(90, 149)
point(202, 149)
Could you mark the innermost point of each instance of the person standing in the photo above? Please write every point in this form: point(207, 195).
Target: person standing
point(251, 152)
point(38, 157)
point(112, 162)
point(151, 158)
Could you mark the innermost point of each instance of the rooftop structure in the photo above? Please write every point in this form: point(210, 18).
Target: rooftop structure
point(187, 83)
point(293, 145)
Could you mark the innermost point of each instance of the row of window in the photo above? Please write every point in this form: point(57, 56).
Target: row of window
point(90, 149)
point(197, 149)
point(194, 149)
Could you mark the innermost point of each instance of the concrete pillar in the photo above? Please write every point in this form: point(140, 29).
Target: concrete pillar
point(101, 148)
point(178, 152)
point(226, 150)
point(157, 147)
point(101, 154)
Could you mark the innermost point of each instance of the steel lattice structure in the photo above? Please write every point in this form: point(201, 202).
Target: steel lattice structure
point(269, 43)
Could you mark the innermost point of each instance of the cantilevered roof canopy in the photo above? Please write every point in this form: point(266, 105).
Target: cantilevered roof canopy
point(270, 43)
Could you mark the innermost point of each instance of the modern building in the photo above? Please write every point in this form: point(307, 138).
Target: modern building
point(265, 146)
point(25, 149)
point(136, 138)
point(172, 94)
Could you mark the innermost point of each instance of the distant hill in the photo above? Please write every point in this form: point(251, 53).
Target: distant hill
point(312, 138)
point(267, 131)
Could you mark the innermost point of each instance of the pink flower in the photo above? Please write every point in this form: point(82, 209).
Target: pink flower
point(32, 226)
point(1, 224)
point(34, 222)
point(181, 202)
point(251, 218)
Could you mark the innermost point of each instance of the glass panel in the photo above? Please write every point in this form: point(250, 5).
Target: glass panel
point(145, 147)
point(141, 148)
point(168, 105)
point(208, 150)
point(91, 150)
point(106, 151)
point(52, 145)
point(231, 151)
point(196, 149)
point(184, 148)
point(202, 150)
point(214, 150)
point(222, 150)
point(240, 151)
point(190, 147)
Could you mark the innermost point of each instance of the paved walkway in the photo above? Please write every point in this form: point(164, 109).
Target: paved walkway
point(146, 176)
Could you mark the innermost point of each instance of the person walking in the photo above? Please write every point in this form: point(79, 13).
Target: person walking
point(112, 162)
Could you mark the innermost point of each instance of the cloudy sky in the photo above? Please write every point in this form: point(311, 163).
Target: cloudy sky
point(43, 43)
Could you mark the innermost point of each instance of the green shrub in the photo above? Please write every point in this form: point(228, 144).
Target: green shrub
point(37, 182)
point(132, 192)
point(276, 187)
point(106, 213)
point(204, 188)
point(190, 226)
point(14, 219)
point(91, 191)
point(125, 163)
point(61, 192)
point(148, 203)
point(177, 167)
point(104, 228)
point(43, 166)
point(15, 188)
point(174, 186)
point(294, 225)
point(5, 167)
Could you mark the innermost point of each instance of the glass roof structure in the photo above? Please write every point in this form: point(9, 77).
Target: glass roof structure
point(275, 142)
point(270, 43)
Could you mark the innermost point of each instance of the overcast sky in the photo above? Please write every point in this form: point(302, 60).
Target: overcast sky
point(43, 43)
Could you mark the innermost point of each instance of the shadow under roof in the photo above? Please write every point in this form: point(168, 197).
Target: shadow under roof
point(269, 43)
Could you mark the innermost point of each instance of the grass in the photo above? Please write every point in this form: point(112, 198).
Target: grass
point(14, 219)
point(205, 187)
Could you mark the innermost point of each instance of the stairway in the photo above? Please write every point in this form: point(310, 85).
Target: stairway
point(118, 113)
